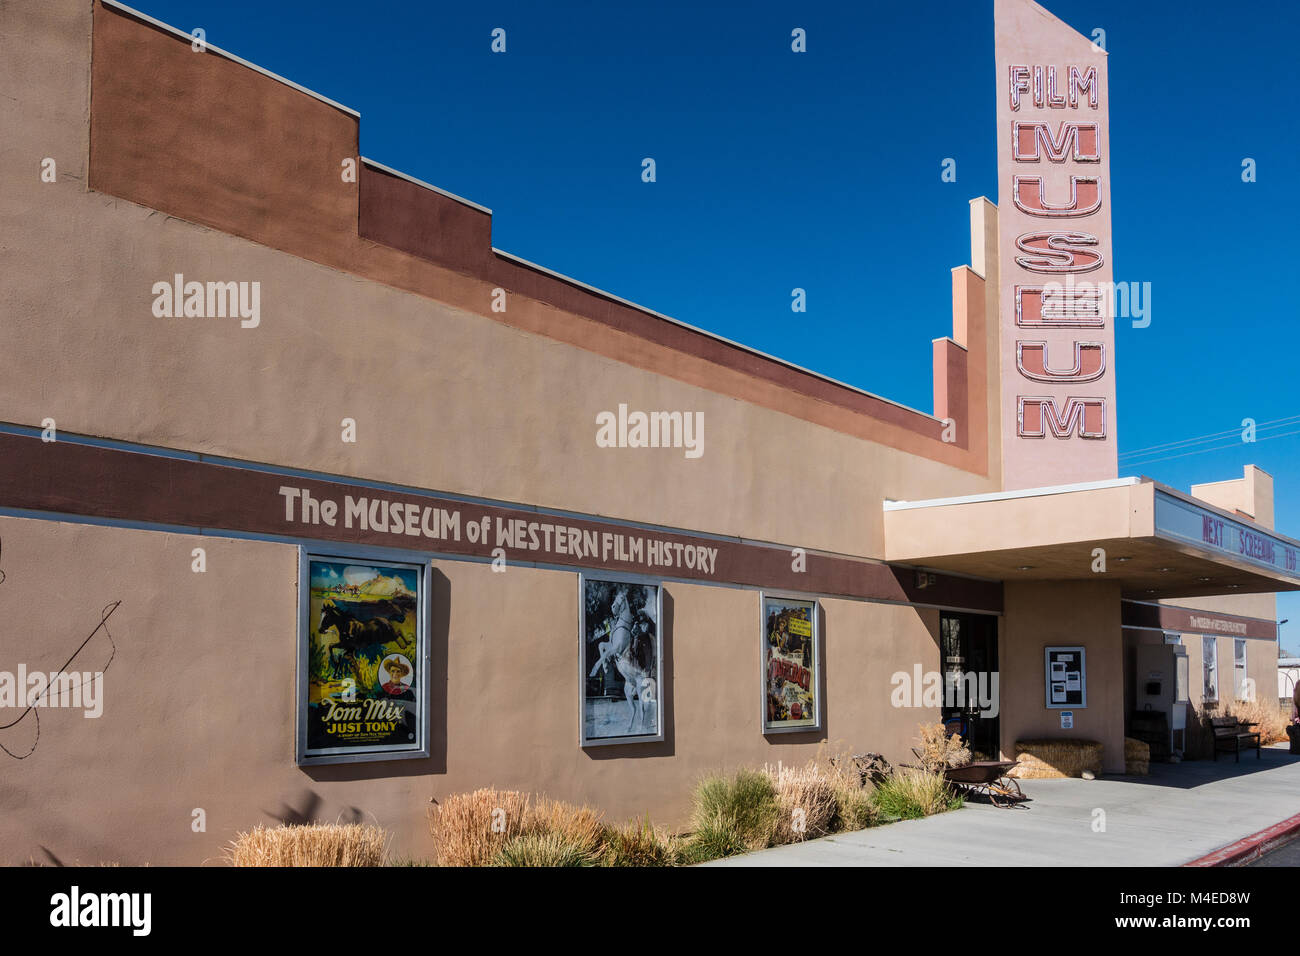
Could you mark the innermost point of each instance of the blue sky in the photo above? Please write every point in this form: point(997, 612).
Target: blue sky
point(821, 170)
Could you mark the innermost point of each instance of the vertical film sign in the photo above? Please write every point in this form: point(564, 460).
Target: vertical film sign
point(1057, 341)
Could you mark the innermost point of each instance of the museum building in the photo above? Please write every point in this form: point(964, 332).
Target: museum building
point(295, 469)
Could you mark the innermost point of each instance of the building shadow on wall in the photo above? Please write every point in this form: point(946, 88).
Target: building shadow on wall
point(665, 747)
point(308, 811)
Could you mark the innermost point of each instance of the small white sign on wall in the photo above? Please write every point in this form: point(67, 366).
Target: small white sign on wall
point(1067, 720)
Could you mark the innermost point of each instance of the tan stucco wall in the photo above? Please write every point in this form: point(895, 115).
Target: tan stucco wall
point(1043, 614)
point(198, 702)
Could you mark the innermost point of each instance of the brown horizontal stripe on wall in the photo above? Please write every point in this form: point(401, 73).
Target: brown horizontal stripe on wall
point(1190, 620)
point(112, 483)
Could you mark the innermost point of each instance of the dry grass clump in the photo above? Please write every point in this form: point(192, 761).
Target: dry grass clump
point(806, 798)
point(1268, 715)
point(544, 848)
point(578, 827)
point(855, 809)
point(473, 829)
point(639, 843)
point(469, 829)
point(1265, 714)
point(941, 750)
point(335, 844)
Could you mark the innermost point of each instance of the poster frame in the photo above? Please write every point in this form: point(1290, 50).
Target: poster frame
point(422, 565)
point(1083, 677)
point(817, 681)
point(645, 580)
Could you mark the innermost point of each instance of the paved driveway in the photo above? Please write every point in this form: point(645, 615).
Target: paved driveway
point(1179, 813)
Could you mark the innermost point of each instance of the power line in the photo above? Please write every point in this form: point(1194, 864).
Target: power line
point(1276, 423)
point(1152, 461)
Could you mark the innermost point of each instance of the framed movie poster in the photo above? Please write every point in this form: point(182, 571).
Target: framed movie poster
point(791, 657)
point(362, 659)
point(1066, 673)
point(621, 657)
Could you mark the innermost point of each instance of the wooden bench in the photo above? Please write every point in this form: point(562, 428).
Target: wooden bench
point(1231, 734)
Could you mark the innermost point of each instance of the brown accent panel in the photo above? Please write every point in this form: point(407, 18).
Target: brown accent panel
point(212, 141)
point(71, 478)
point(971, 410)
point(208, 140)
point(571, 298)
point(950, 387)
point(424, 223)
point(1190, 620)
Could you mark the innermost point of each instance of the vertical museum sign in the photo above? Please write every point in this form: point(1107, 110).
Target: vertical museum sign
point(1058, 384)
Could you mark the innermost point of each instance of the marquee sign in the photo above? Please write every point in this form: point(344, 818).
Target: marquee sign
point(1184, 521)
point(1058, 380)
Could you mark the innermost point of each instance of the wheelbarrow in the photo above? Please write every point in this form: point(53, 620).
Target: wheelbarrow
point(988, 777)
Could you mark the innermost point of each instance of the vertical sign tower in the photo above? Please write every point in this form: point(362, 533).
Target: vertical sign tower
point(1054, 242)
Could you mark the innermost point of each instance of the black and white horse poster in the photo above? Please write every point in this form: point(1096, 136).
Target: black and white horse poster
point(620, 662)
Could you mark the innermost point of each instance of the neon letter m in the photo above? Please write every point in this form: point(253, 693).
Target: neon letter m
point(1035, 414)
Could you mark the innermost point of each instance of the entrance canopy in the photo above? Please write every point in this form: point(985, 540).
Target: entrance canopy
point(1157, 542)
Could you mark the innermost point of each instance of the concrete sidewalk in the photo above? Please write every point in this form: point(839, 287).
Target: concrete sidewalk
point(1179, 813)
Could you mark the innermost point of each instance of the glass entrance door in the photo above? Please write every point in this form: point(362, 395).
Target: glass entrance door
point(968, 656)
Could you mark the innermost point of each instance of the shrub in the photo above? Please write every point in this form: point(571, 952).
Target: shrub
point(463, 825)
point(743, 807)
point(806, 799)
point(712, 840)
point(579, 827)
point(854, 808)
point(543, 848)
point(351, 844)
point(639, 844)
point(471, 829)
point(1268, 715)
point(1265, 714)
point(912, 793)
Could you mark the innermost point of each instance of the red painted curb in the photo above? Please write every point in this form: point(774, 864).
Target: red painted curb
point(1255, 845)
